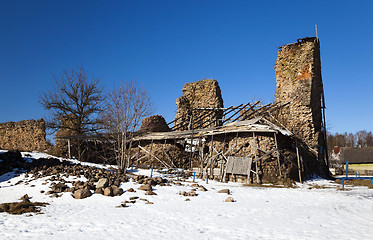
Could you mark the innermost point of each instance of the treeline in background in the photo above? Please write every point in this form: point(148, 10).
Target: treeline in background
point(361, 138)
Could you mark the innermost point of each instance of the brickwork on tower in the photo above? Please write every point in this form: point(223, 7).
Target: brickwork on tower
point(298, 75)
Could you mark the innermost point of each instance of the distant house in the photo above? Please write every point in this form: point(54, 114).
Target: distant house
point(359, 159)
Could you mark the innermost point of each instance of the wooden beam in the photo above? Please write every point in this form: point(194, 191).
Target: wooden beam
point(154, 156)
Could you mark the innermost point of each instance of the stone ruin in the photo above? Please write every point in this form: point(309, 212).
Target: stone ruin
point(196, 97)
point(27, 135)
point(299, 84)
point(155, 123)
point(299, 92)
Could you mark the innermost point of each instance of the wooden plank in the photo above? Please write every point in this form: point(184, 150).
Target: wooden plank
point(239, 165)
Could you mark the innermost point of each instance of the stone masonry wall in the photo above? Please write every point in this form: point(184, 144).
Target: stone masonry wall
point(298, 75)
point(202, 94)
point(27, 135)
point(245, 145)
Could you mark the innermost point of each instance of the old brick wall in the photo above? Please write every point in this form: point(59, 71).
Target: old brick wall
point(298, 75)
point(201, 94)
point(27, 135)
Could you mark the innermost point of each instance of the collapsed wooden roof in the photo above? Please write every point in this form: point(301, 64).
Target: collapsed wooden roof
point(257, 124)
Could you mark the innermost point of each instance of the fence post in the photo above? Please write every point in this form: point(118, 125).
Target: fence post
point(194, 176)
point(151, 173)
point(346, 169)
point(207, 178)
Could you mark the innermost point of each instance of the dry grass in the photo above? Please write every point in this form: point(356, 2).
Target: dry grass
point(357, 182)
point(265, 185)
point(18, 208)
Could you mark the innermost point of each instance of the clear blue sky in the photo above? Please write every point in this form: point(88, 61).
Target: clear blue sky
point(164, 44)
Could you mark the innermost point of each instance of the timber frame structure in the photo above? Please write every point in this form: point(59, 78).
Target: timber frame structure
point(245, 132)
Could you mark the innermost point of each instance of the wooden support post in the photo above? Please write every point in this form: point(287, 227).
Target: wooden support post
point(299, 170)
point(278, 154)
point(211, 159)
point(202, 157)
point(163, 149)
point(69, 148)
point(138, 154)
point(222, 160)
point(256, 162)
point(150, 153)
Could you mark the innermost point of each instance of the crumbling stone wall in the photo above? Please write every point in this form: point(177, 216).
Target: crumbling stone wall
point(202, 94)
point(27, 135)
point(250, 145)
point(155, 123)
point(298, 75)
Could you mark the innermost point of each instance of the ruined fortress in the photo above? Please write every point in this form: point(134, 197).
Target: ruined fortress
point(277, 142)
point(27, 135)
point(250, 142)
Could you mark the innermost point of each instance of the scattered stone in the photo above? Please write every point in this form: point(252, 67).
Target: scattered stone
point(146, 187)
point(149, 202)
point(99, 190)
point(131, 190)
point(59, 187)
point(182, 193)
point(192, 194)
point(229, 199)
point(25, 197)
point(102, 183)
point(117, 191)
point(203, 189)
point(122, 205)
point(226, 190)
point(187, 199)
point(133, 198)
point(150, 192)
point(82, 193)
point(108, 192)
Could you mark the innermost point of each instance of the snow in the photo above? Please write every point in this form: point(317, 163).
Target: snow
point(257, 213)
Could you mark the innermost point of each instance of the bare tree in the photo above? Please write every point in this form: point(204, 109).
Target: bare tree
point(76, 100)
point(125, 108)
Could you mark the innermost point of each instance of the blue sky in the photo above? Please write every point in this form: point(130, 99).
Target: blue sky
point(164, 44)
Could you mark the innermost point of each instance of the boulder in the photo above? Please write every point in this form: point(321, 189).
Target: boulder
point(146, 187)
point(99, 190)
point(229, 199)
point(82, 193)
point(117, 191)
point(226, 190)
point(108, 192)
point(102, 183)
point(150, 192)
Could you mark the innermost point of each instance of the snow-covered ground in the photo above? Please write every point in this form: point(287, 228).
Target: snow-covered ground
point(257, 213)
